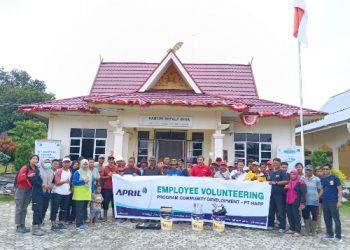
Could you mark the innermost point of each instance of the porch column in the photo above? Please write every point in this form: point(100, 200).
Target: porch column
point(218, 144)
point(335, 153)
point(118, 138)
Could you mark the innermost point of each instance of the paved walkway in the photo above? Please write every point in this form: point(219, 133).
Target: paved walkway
point(112, 235)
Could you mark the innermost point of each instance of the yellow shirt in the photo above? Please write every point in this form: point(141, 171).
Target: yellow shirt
point(255, 176)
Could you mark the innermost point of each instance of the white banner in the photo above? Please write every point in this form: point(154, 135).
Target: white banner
point(48, 149)
point(292, 155)
point(166, 121)
point(246, 202)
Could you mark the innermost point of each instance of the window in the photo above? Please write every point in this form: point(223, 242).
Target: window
point(252, 146)
point(87, 142)
point(197, 143)
point(142, 145)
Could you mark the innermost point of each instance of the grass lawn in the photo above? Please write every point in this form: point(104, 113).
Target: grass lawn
point(345, 209)
point(9, 169)
point(6, 197)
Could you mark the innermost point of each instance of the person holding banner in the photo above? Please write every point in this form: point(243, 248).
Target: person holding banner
point(223, 173)
point(131, 169)
point(107, 188)
point(238, 173)
point(254, 174)
point(277, 179)
point(200, 169)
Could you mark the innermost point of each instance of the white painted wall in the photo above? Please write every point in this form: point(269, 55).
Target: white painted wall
point(282, 133)
point(59, 129)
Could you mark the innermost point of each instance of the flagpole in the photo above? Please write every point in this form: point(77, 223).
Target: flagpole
point(301, 107)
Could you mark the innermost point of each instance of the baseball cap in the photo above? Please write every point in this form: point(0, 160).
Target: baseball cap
point(255, 163)
point(152, 158)
point(223, 163)
point(101, 156)
point(66, 159)
point(269, 162)
point(111, 157)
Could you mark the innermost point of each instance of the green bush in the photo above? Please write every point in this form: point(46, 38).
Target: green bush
point(319, 158)
point(25, 133)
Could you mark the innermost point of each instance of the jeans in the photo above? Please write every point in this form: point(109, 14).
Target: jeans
point(59, 203)
point(107, 195)
point(310, 209)
point(37, 207)
point(23, 197)
point(81, 212)
point(277, 205)
point(46, 202)
point(294, 217)
point(330, 213)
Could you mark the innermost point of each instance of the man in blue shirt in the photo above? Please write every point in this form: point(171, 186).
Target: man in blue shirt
point(174, 169)
point(277, 179)
point(331, 200)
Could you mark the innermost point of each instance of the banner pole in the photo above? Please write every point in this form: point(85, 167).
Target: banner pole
point(301, 107)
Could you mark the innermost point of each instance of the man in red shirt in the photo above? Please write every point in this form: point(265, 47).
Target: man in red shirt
point(107, 188)
point(200, 169)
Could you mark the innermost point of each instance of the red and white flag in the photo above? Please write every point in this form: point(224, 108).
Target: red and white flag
point(300, 21)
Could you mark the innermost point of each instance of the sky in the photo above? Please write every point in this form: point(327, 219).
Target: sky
point(61, 42)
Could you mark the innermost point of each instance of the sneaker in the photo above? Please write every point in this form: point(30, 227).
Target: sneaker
point(61, 226)
point(20, 229)
point(55, 227)
point(327, 237)
point(290, 232)
point(296, 234)
point(338, 239)
point(26, 229)
point(270, 228)
point(282, 231)
point(81, 227)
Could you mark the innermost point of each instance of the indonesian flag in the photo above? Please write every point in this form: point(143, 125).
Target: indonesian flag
point(300, 21)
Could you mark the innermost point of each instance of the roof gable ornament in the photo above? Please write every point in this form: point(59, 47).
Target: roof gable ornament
point(170, 60)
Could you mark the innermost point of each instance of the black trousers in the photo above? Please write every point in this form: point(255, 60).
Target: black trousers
point(37, 207)
point(293, 213)
point(107, 195)
point(277, 205)
point(46, 202)
point(330, 213)
point(81, 212)
point(59, 203)
point(310, 209)
point(72, 208)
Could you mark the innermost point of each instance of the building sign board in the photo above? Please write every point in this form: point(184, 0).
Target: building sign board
point(292, 155)
point(166, 121)
point(48, 149)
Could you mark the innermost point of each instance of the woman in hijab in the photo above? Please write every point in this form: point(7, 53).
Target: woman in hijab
point(83, 185)
point(296, 191)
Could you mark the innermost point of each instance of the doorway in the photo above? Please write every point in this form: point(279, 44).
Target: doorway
point(171, 144)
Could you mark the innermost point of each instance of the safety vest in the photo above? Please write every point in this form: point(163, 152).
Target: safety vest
point(82, 193)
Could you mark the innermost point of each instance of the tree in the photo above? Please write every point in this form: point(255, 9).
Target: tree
point(7, 146)
point(25, 133)
point(17, 88)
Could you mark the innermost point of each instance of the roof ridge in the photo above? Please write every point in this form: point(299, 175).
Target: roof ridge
point(340, 93)
point(221, 64)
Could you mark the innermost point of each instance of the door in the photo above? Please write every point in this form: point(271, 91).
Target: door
point(171, 148)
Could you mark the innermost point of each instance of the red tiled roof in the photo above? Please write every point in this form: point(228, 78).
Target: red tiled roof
point(230, 80)
point(269, 108)
point(69, 104)
point(172, 97)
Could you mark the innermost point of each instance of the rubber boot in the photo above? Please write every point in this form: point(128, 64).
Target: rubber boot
point(36, 231)
point(307, 227)
point(313, 228)
point(105, 215)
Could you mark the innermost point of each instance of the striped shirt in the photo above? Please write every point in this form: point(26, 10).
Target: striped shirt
point(313, 184)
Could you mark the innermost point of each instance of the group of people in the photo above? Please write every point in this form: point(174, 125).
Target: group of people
point(71, 187)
